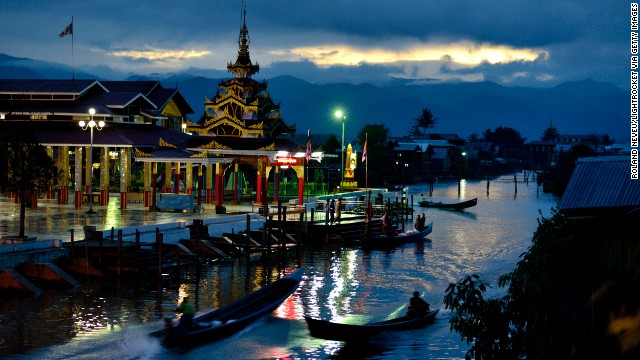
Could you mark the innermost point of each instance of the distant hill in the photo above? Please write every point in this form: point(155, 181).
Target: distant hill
point(578, 107)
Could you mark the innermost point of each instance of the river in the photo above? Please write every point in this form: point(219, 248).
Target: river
point(348, 284)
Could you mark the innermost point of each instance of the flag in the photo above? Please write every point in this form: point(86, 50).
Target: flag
point(67, 31)
point(308, 153)
point(364, 151)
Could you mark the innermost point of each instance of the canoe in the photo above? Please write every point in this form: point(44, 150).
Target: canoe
point(232, 317)
point(401, 238)
point(452, 206)
point(325, 329)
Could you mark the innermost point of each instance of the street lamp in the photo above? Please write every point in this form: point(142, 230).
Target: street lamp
point(343, 117)
point(90, 125)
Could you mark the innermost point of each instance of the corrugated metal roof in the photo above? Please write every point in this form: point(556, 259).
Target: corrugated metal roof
point(601, 182)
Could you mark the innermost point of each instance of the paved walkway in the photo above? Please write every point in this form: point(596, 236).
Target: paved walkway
point(53, 221)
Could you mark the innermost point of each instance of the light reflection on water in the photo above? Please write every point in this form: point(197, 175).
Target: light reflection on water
point(342, 284)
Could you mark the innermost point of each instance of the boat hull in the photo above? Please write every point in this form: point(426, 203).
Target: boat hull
point(233, 317)
point(450, 206)
point(328, 330)
point(384, 240)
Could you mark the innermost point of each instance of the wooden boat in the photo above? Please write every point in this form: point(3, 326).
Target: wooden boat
point(232, 317)
point(328, 330)
point(451, 206)
point(401, 238)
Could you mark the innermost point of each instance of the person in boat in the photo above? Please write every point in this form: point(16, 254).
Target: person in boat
point(418, 223)
point(187, 311)
point(332, 210)
point(326, 211)
point(417, 306)
point(387, 227)
point(423, 222)
point(338, 209)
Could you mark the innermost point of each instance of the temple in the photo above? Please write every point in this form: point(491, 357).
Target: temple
point(148, 145)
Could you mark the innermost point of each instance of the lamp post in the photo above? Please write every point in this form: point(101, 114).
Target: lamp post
point(343, 117)
point(90, 125)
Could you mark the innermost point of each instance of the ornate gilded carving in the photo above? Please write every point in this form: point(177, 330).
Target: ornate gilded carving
point(163, 143)
point(139, 153)
point(271, 147)
point(201, 155)
point(215, 146)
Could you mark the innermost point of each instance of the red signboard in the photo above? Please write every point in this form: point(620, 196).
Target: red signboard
point(286, 161)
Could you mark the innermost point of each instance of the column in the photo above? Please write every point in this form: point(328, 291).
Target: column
point(300, 173)
point(147, 177)
point(88, 170)
point(77, 196)
point(49, 189)
point(188, 178)
point(63, 177)
point(209, 180)
point(258, 188)
point(125, 175)
point(199, 201)
point(154, 185)
point(176, 181)
point(104, 176)
point(167, 178)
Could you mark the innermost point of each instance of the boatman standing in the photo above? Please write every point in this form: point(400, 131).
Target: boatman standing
point(187, 311)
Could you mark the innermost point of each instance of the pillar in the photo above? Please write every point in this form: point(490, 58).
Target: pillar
point(147, 176)
point(258, 188)
point(49, 189)
point(199, 201)
point(300, 173)
point(176, 181)
point(77, 196)
point(188, 178)
point(154, 185)
point(209, 180)
point(167, 178)
point(104, 176)
point(64, 173)
point(125, 175)
point(88, 170)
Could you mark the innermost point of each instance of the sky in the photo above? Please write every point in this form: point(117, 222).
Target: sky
point(516, 43)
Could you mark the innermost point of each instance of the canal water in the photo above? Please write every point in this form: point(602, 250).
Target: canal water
point(345, 284)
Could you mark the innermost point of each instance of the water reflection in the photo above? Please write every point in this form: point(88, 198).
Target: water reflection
point(111, 320)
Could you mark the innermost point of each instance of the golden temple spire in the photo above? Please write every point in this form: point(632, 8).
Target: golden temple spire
point(243, 67)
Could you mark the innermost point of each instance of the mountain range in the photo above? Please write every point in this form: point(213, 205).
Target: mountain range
point(463, 108)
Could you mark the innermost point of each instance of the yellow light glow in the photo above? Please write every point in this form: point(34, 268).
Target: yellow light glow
point(463, 52)
point(155, 54)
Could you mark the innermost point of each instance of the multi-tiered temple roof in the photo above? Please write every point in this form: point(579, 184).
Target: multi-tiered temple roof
point(242, 106)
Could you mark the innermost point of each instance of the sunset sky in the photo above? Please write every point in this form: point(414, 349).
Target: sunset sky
point(532, 43)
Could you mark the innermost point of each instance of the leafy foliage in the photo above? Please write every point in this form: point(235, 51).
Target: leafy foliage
point(423, 122)
point(526, 319)
point(485, 322)
point(29, 168)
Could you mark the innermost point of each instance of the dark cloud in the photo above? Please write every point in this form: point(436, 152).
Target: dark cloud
point(586, 39)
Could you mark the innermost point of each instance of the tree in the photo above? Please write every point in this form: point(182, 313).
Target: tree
point(332, 145)
point(505, 136)
point(484, 322)
point(29, 168)
point(425, 121)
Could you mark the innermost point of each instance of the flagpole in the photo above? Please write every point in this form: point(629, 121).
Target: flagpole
point(73, 63)
point(366, 165)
